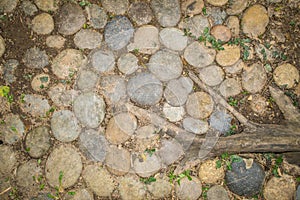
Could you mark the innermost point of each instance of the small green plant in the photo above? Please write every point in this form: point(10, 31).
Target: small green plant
point(27, 149)
point(204, 11)
point(5, 92)
point(149, 180)
point(22, 98)
point(293, 97)
point(14, 129)
point(233, 102)
point(204, 191)
point(244, 44)
point(206, 37)
point(278, 162)
point(298, 179)
point(72, 193)
point(187, 32)
point(150, 151)
point(51, 110)
point(263, 52)
point(84, 3)
point(227, 160)
point(136, 50)
point(292, 23)
point(232, 130)
point(279, 55)
point(178, 178)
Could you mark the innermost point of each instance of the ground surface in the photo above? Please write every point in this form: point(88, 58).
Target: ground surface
point(75, 73)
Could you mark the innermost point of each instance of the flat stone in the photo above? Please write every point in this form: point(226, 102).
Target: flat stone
point(212, 75)
point(67, 62)
point(167, 12)
point(43, 24)
point(189, 189)
point(255, 21)
point(217, 2)
point(47, 5)
point(140, 13)
point(160, 189)
point(9, 70)
point(71, 19)
point(245, 181)
point(254, 78)
point(40, 82)
point(165, 65)
point(146, 136)
point(87, 39)
point(89, 109)
point(198, 55)
point(173, 114)
point(144, 89)
point(230, 87)
point(7, 6)
point(113, 88)
point(102, 60)
point(35, 105)
point(118, 160)
point(209, 173)
point(170, 151)
point(65, 126)
point(62, 97)
point(118, 7)
point(130, 188)
point(194, 25)
point(98, 180)
point(28, 174)
point(63, 160)
point(120, 128)
point(196, 126)
point(118, 32)
point(2, 46)
point(286, 75)
point(87, 80)
point(236, 7)
point(80, 194)
point(233, 23)
point(8, 159)
point(221, 32)
point(147, 166)
point(13, 129)
point(35, 58)
point(229, 56)
point(128, 63)
point(173, 39)
point(236, 67)
point(38, 141)
point(55, 41)
point(216, 15)
point(220, 120)
point(217, 192)
point(199, 105)
point(97, 16)
point(145, 40)
point(259, 104)
point(28, 8)
point(192, 7)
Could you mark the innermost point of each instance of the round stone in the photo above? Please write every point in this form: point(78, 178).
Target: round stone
point(98, 180)
point(8, 159)
point(35, 58)
point(62, 97)
point(236, 7)
point(286, 75)
point(173, 39)
point(177, 91)
point(236, 68)
point(230, 87)
point(233, 23)
point(140, 13)
point(254, 78)
point(147, 166)
point(130, 188)
point(118, 7)
point(198, 55)
point(67, 62)
point(118, 32)
point(217, 192)
point(93, 144)
point(55, 41)
point(7, 6)
point(195, 25)
point(212, 75)
point(43, 24)
point(221, 32)
point(87, 80)
point(144, 89)
point(189, 189)
point(259, 104)
point(9, 70)
point(29, 8)
point(80, 194)
point(38, 141)
point(165, 65)
point(40, 82)
point(64, 126)
point(113, 88)
point(71, 19)
point(245, 180)
point(65, 162)
point(216, 15)
point(97, 16)
point(209, 173)
point(128, 63)
point(87, 39)
point(160, 189)
point(199, 105)
point(167, 12)
point(146, 136)
point(120, 128)
point(195, 125)
point(47, 5)
point(36, 105)
point(220, 120)
point(229, 56)
point(217, 2)
point(173, 114)
point(145, 40)
point(102, 61)
point(13, 129)
point(2, 46)
point(192, 7)
point(118, 160)
point(89, 108)
point(170, 151)
point(28, 174)
point(255, 21)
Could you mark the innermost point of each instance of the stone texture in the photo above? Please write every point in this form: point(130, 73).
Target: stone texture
point(55, 41)
point(233, 24)
point(87, 39)
point(128, 63)
point(173, 114)
point(170, 151)
point(217, 2)
point(254, 78)
point(61, 96)
point(130, 188)
point(40, 82)
point(298, 193)
point(97, 16)
point(12, 129)
point(198, 55)
point(43, 24)
point(236, 7)
point(220, 120)
point(118, 7)
point(221, 32)
point(167, 12)
point(199, 105)
point(236, 68)
point(113, 88)
point(35, 58)
point(102, 60)
point(147, 166)
point(87, 80)
point(140, 13)
point(7, 6)
point(47, 5)
point(118, 160)
point(173, 39)
point(212, 75)
point(194, 25)
point(35, 105)
point(27, 176)
point(258, 104)
point(217, 192)
point(146, 136)
point(195, 125)
point(80, 194)
point(230, 87)
point(229, 56)
point(189, 189)
point(9, 70)
point(216, 15)
point(160, 189)
point(286, 75)
point(29, 8)
point(192, 7)
point(8, 159)
point(2, 46)
point(209, 173)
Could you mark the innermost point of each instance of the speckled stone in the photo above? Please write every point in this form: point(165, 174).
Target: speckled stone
point(97, 16)
point(167, 12)
point(212, 75)
point(35, 58)
point(87, 39)
point(229, 56)
point(47, 5)
point(254, 78)
point(146, 136)
point(29, 8)
point(40, 82)
point(194, 25)
point(216, 15)
point(286, 75)
point(192, 7)
point(8, 159)
point(230, 87)
point(217, 192)
point(61, 96)
point(189, 189)
point(173, 39)
point(236, 67)
point(118, 160)
point(140, 13)
point(9, 70)
point(195, 125)
point(43, 24)
point(161, 188)
point(128, 63)
point(118, 7)
point(236, 7)
point(209, 173)
point(233, 24)
point(102, 60)
point(130, 188)
point(258, 104)
point(55, 41)
point(147, 166)
point(80, 194)
point(7, 6)
point(35, 105)
point(13, 129)
point(199, 105)
point(113, 88)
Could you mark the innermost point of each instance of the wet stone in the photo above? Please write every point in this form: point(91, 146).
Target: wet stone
point(2, 46)
point(245, 181)
point(38, 141)
point(173, 39)
point(25, 174)
point(229, 56)
point(118, 32)
point(233, 24)
point(36, 105)
point(144, 89)
point(87, 80)
point(87, 39)
point(192, 7)
point(189, 189)
point(230, 87)
point(43, 24)
point(60, 161)
point(102, 61)
point(140, 13)
point(98, 180)
point(167, 12)
point(217, 2)
point(13, 129)
point(195, 125)
point(55, 41)
point(35, 58)
point(9, 70)
point(80, 194)
point(160, 189)
point(194, 25)
point(130, 188)
point(47, 5)
point(118, 7)
point(286, 75)
point(173, 114)
point(217, 192)
point(61, 96)
point(89, 109)
point(165, 65)
point(113, 87)
point(29, 8)
point(254, 78)
point(212, 75)
point(216, 16)
point(118, 160)
point(128, 63)
point(199, 105)
point(209, 173)
point(40, 82)
point(236, 7)
point(97, 16)
point(170, 151)
point(8, 159)
point(71, 19)
point(221, 32)
point(198, 55)
point(221, 121)
point(147, 166)
point(7, 6)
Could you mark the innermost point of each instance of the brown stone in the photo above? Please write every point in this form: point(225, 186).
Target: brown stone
point(221, 32)
point(209, 173)
point(118, 160)
point(233, 24)
point(199, 105)
point(192, 7)
point(286, 75)
point(229, 56)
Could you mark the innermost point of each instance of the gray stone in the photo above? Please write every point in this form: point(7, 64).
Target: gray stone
point(9, 71)
point(36, 105)
point(140, 13)
point(43, 24)
point(195, 125)
point(198, 55)
point(61, 96)
point(173, 114)
point(298, 193)
point(113, 88)
point(189, 189)
point(144, 89)
point(230, 87)
point(29, 8)
point(118, 32)
point(244, 180)
point(221, 121)
point(40, 82)
point(8, 159)
point(199, 105)
point(71, 19)
point(89, 108)
point(38, 141)
point(2, 46)
point(97, 16)
point(118, 160)
point(147, 166)
point(27, 176)
point(217, 192)
point(254, 78)
point(80, 194)
point(165, 65)
point(118, 7)
point(7, 6)
point(236, 68)
point(128, 63)
point(236, 7)
point(35, 58)
point(212, 75)
point(47, 5)
point(65, 126)
point(194, 25)
point(130, 188)
point(170, 151)
point(167, 12)
point(160, 189)
point(173, 38)
point(87, 39)
point(55, 41)
point(146, 136)
point(63, 160)
point(13, 129)
point(87, 80)
point(102, 61)
point(216, 15)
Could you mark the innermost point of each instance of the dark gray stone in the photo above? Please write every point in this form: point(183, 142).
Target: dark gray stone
point(140, 13)
point(167, 12)
point(220, 120)
point(35, 58)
